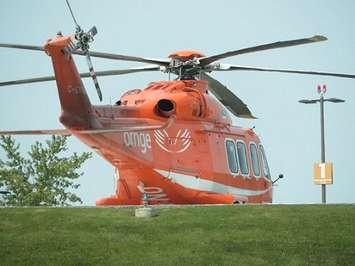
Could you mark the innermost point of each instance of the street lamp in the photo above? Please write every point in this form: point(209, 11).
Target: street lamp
point(321, 91)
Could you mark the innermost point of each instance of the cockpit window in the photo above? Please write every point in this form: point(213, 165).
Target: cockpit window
point(231, 156)
point(266, 169)
point(254, 159)
point(242, 155)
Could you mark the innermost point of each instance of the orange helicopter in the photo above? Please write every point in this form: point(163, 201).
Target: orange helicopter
point(173, 141)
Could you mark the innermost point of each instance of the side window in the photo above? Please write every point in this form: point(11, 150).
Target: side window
point(254, 159)
point(265, 167)
point(231, 156)
point(242, 155)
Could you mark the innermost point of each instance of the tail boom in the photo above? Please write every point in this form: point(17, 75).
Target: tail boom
point(77, 111)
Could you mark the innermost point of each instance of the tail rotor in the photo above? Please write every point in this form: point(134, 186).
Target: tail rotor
point(82, 41)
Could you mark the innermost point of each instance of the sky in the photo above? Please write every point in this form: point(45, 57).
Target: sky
point(290, 131)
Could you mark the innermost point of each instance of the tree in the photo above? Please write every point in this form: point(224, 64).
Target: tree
point(46, 177)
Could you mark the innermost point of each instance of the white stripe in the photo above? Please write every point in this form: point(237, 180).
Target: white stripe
point(158, 132)
point(185, 134)
point(184, 142)
point(177, 136)
point(166, 134)
point(160, 141)
point(185, 148)
point(192, 182)
point(157, 136)
point(161, 144)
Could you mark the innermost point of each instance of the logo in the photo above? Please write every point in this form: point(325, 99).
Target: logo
point(137, 140)
point(154, 193)
point(177, 144)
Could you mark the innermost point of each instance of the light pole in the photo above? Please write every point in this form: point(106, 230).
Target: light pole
point(321, 91)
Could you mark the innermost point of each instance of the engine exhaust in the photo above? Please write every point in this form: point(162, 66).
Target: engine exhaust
point(165, 107)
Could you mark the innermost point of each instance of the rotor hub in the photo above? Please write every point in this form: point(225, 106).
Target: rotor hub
point(186, 55)
point(185, 64)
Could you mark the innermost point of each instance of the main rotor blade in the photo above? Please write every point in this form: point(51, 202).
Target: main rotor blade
point(227, 67)
point(281, 44)
point(21, 46)
point(84, 75)
point(160, 62)
point(25, 81)
point(227, 98)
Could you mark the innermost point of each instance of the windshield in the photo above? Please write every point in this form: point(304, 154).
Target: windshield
point(265, 165)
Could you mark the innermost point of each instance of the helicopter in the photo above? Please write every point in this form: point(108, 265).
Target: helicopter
point(172, 140)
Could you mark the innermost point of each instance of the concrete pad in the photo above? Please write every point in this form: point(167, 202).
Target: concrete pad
point(145, 212)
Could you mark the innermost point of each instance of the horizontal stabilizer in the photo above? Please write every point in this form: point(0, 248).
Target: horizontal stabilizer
point(63, 132)
point(67, 132)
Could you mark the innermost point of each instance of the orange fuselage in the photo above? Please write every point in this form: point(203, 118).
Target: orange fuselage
point(199, 158)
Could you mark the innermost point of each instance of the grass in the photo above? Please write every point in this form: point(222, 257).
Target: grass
point(220, 235)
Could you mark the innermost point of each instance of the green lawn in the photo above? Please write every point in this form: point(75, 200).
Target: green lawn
point(220, 235)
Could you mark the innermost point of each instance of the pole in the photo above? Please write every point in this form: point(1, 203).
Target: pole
point(321, 101)
point(321, 91)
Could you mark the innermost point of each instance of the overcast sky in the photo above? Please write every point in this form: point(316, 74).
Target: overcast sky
point(290, 131)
